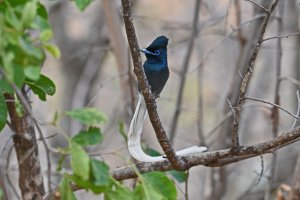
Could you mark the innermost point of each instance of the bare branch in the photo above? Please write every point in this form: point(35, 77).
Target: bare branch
point(214, 158)
point(273, 104)
point(281, 36)
point(258, 5)
point(248, 74)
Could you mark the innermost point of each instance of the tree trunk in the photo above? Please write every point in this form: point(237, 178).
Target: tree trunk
point(30, 176)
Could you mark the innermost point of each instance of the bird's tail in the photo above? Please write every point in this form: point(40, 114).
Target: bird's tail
point(135, 132)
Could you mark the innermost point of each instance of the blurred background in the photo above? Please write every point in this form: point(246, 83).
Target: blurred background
point(95, 70)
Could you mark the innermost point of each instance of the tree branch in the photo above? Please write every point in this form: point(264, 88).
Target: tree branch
point(247, 76)
point(145, 89)
point(214, 158)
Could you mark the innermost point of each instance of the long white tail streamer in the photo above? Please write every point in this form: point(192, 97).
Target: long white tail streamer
point(135, 132)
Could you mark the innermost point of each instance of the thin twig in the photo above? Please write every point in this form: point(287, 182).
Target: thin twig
point(272, 104)
point(281, 36)
point(261, 170)
point(258, 5)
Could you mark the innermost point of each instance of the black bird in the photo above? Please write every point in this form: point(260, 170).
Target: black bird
point(157, 73)
point(156, 65)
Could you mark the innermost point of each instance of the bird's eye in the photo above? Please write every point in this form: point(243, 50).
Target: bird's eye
point(157, 52)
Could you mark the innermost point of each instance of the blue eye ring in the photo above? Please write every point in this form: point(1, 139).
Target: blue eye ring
point(145, 51)
point(157, 52)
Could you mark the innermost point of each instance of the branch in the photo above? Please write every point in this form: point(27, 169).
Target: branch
point(214, 158)
point(258, 5)
point(145, 89)
point(274, 105)
point(281, 36)
point(247, 76)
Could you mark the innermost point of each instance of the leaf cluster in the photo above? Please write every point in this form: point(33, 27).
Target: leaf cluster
point(25, 37)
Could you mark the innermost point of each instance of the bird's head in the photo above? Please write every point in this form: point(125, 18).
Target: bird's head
point(157, 50)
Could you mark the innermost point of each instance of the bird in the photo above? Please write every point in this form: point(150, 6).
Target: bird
point(157, 73)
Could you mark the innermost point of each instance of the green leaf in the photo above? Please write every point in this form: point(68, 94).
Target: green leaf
point(41, 11)
point(152, 152)
point(179, 176)
point(158, 182)
point(5, 86)
point(42, 87)
point(3, 112)
point(87, 116)
point(28, 48)
point(100, 173)
point(52, 49)
point(12, 19)
point(87, 184)
point(80, 161)
point(41, 23)
point(82, 4)
point(15, 3)
point(65, 190)
point(60, 163)
point(28, 13)
point(46, 35)
point(32, 72)
point(90, 137)
point(117, 192)
point(7, 60)
point(147, 192)
point(19, 76)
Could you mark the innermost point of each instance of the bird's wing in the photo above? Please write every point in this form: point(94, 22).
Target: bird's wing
point(135, 132)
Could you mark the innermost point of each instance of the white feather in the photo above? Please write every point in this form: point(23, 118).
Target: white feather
point(135, 132)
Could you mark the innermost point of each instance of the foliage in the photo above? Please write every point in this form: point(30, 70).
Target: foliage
point(25, 34)
point(82, 4)
point(93, 175)
point(25, 38)
point(87, 116)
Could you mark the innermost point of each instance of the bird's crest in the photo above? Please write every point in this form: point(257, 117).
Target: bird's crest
point(159, 42)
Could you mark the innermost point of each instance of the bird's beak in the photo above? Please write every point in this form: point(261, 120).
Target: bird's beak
point(145, 51)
